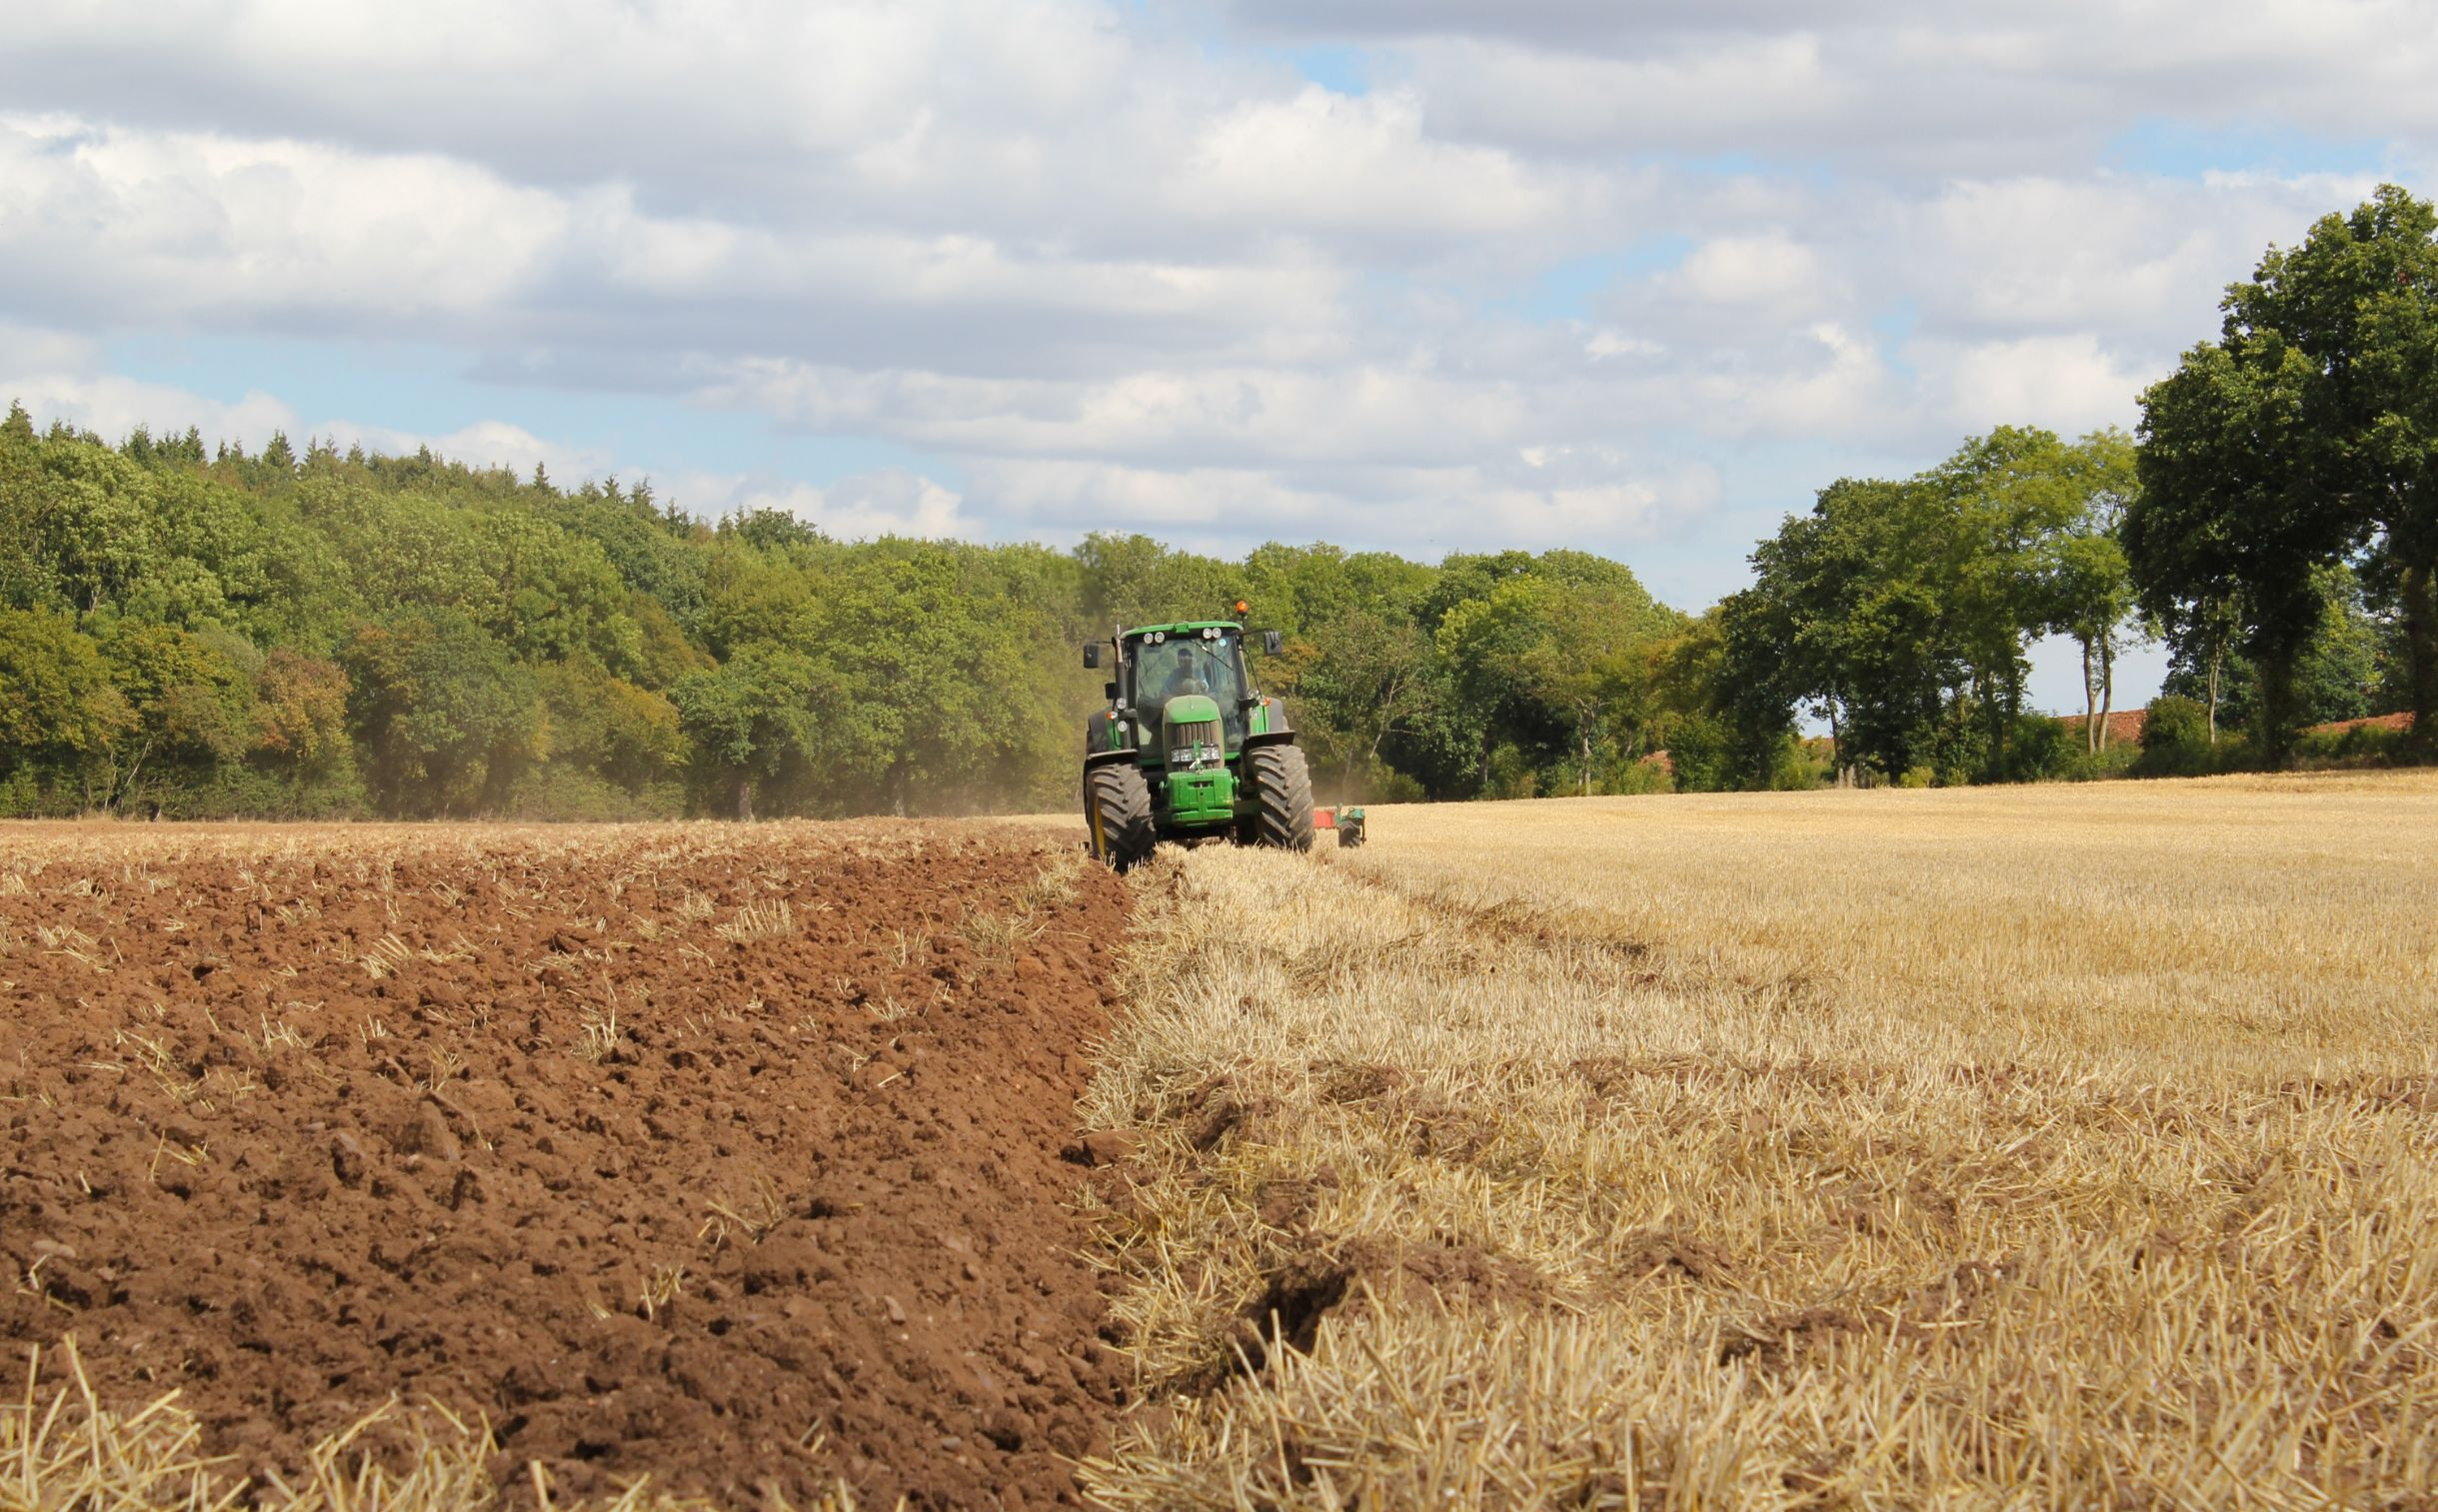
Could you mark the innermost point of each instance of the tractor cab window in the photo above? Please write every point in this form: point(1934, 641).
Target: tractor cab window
point(1187, 661)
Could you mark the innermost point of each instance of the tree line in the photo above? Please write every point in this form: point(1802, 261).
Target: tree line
point(1900, 615)
point(2274, 521)
point(2290, 468)
point(197, 631)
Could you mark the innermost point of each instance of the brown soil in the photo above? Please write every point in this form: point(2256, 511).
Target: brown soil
point(295, 1120)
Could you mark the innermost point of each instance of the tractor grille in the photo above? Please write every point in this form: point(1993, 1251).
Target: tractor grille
point(1194, 744)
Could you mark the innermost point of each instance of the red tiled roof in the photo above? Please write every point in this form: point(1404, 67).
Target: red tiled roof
point(2124, 724)
point(2375, 722)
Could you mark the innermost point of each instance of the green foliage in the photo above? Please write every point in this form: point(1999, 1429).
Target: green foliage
point(190, 710)
point(2176, 741)
point(2359, 745)
point(2040, 748)
point(1797, 765)
point(2090, 584)
point(1553, 670)
point(2337, 675)
point(2174, 724)
point(749, 722)
point(301, 713)
point(2304, 438)
point(448, 719)
point(2344, 669)
point(1133, 580)
point(2228, 514)
point(1899, 612)
point(931, 676)
point(60, 718)
point(606, 731)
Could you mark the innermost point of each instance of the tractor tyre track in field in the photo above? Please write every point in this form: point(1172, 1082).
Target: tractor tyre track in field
point(726, 1155)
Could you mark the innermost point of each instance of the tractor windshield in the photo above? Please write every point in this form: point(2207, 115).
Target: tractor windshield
point(1188, 662)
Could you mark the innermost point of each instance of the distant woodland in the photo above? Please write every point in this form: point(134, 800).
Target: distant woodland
point(187, 629)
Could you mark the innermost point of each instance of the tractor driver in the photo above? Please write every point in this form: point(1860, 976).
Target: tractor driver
point(1174, 675)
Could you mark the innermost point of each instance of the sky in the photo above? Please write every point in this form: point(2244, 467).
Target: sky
point(1412, 275)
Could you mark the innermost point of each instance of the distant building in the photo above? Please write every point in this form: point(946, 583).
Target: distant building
point(2124, 726)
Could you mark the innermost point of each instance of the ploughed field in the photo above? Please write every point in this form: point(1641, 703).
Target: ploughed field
point(722, 1157)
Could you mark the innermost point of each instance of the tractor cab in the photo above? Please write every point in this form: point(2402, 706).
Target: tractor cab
point(1157, 664)
point(1202, 661)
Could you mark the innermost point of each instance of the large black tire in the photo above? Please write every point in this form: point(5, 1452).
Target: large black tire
point(1117, 811)
point(1282, 795)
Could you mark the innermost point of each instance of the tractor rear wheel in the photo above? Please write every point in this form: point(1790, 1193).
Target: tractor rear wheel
point(1117, 811)
point(1282, 798)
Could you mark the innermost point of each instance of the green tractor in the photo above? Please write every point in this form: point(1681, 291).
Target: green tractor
point(1188, 750)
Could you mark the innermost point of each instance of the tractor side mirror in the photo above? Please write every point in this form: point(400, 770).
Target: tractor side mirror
point(1109, 690)
point(1091, 654)
point(1271, 640)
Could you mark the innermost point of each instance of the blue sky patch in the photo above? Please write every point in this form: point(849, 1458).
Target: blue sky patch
point(1341, 70)
point(2192, 150)
point(1894, 327)
point(1569, 290)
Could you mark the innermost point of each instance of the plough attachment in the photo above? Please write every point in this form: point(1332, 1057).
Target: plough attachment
point(1346, 821)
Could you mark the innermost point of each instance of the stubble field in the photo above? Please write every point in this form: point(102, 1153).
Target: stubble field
point(2024, 1149)
point(2038, 1147)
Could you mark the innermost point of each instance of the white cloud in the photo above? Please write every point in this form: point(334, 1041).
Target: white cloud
point(484, 444)
point(1368, 166)
point(860, 507)
point(1742, 270)
point(2007, 86)
point(1608, 342)
point(112, 407)
point(2068, 384)
point(891, 502)
point(32, 349)
point(569, 91)
point(1589, 497)
point(199, 226)
point(1825, 381)
point(1361, 413)
point(59, 376)
point(2111, 254)
point(1117, 265)
point(1689, 99)
point(200, 229)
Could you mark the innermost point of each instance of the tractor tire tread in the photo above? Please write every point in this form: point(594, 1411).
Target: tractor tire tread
point(1118, 811)
point(1282, 798)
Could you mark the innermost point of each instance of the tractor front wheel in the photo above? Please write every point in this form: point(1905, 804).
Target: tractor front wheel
point(1282, 798)
point(1117, 811)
